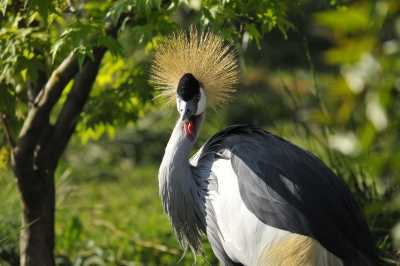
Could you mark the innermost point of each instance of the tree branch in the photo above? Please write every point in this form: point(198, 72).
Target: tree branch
point(36, 126)
point(7, 130)
point(38, 116)
point(73, 106)
point(77, 98)
point(34, 88)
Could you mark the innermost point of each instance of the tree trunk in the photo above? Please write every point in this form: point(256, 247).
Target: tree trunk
point(38, 206)
point(40, 145)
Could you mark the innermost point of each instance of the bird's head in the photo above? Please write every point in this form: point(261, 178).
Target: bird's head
point(190, 102)
point(194, 68)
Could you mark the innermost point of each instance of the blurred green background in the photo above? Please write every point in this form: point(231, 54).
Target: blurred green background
point(322, 74)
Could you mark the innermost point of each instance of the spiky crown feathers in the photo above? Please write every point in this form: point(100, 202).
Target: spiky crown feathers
point(204, 55)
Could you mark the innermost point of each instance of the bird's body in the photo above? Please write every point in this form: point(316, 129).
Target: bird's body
point(274, 191)
point(252, 192)
point(259, 199)
point(243, 237)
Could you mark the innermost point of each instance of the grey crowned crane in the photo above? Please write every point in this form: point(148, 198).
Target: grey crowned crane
point(260, 199)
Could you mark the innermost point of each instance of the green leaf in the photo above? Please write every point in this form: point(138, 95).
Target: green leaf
point(254, 34)
point(7, 101)
point(112, 44)
point(4, 158)
point(119, 8)
point(351, 19)
point(80, 38)
point(44, 7)
point(3, 6)
point(57, 49)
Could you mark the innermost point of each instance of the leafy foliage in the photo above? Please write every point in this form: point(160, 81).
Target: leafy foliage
point(366, 52)
point(37, 35)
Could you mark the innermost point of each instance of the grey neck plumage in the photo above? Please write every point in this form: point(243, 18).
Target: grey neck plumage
point(181, 195)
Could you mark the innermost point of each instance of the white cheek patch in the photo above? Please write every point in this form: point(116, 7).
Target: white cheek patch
point(201, 105)
point(180, 105)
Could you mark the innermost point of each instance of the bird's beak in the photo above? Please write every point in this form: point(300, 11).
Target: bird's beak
point(185, 117)
point(186, 110)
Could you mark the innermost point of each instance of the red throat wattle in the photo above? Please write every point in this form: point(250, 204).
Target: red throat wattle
point(189, 128)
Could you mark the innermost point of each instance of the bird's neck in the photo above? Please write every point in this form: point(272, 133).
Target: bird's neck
point(178, 187)
point(179, 146)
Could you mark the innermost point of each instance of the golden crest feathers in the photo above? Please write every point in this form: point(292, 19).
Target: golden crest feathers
point(205, 56)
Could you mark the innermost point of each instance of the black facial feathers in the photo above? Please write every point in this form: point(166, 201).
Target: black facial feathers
point(188, 87)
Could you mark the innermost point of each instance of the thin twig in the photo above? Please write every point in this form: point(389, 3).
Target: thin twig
point(7, 130)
